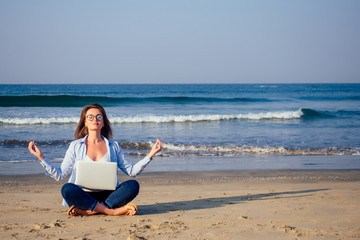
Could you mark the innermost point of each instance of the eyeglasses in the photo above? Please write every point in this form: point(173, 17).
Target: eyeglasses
point(91, 117)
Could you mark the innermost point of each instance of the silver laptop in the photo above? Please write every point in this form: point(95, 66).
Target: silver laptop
point(96, 175)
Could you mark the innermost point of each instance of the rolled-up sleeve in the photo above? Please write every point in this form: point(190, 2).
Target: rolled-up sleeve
point(128, 168)
point(59, 173)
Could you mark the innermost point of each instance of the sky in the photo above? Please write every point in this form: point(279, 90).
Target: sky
point(196, 41)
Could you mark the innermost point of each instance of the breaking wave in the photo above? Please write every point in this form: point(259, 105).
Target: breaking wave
point(256, 150)
point(303, 113)
point(172, 150)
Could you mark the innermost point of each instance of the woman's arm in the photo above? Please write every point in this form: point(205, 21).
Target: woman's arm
point(136, 169)
point(51, 170)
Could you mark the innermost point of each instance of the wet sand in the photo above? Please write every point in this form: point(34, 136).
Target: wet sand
point(284, 204)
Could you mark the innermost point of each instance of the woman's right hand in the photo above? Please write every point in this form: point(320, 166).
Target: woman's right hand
point(34, 150)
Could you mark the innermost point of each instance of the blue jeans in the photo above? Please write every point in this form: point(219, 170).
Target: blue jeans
point(124, 193)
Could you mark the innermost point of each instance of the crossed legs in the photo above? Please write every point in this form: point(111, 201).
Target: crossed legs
point(108, 202)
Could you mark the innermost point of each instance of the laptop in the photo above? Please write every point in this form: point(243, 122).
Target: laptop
point(96, 175)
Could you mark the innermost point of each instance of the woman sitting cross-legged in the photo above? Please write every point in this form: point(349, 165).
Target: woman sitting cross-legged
point(93, 133)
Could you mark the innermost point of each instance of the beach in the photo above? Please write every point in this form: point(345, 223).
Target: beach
point(244, 118)
point(245, 204)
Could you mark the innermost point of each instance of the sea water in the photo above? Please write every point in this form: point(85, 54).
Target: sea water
point(203, 126)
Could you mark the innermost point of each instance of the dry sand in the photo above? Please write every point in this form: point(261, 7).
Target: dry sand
point(196, 205)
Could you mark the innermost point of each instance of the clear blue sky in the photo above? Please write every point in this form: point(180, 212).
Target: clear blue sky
point(196, 41)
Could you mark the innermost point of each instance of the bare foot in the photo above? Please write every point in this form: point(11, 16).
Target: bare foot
point(125, 210)
point(130, 210)
point(80, 212)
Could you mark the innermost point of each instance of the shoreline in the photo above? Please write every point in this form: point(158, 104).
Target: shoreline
point(213, 176)
point(246, 204)
point(214, 164)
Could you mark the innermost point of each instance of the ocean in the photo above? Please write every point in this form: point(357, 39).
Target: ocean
point(204, 127)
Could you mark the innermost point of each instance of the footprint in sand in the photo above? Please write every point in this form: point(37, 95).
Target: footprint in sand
point(146, 226)
point(39, 226)
point(40, 209)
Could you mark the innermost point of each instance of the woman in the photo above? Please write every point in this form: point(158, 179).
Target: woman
point(92, 144)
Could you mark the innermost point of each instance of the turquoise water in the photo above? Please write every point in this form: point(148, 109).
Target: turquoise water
point(202, 122)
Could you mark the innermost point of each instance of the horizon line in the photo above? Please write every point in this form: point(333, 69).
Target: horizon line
point(296, 83)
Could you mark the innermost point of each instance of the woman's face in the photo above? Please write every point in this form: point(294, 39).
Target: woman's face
point(94, 120)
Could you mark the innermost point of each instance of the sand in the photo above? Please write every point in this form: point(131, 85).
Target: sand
point(196, 205)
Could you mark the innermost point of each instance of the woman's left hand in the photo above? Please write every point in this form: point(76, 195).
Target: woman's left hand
point(156, 148)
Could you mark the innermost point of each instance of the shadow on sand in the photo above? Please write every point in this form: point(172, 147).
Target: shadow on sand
point(208, 203)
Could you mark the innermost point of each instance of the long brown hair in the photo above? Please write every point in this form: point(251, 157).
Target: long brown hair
point(81, 130)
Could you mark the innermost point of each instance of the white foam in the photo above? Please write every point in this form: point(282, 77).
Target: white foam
point(161, 119)
point(258, 150)
point(206, 117)
point(18, 161)
point(32, 121)
point(231, 149)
